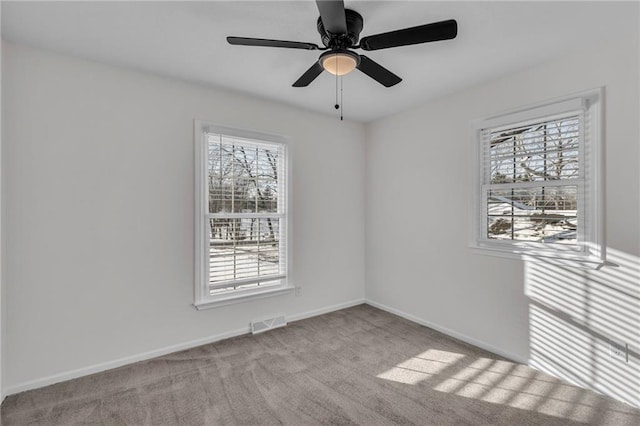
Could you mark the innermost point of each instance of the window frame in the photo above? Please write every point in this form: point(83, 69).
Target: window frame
point(202, 297)
point(589, 251)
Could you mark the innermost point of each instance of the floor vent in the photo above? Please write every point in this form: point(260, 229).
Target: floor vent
point(267, 324)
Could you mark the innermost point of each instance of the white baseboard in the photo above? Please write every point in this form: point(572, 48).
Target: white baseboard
point(447, 331)
point(73, 374)
point(109, 365)
point(97, 368)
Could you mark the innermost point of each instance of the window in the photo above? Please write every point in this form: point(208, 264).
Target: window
point(538, 191)
point(242, 215)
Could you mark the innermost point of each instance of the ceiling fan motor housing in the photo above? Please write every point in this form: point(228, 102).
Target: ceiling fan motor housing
point(343, 41)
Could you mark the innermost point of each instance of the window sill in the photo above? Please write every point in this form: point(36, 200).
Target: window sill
point(564, 259)
point(243, 296)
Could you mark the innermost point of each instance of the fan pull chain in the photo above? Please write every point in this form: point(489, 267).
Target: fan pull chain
point(337, 105)
point(341, 102)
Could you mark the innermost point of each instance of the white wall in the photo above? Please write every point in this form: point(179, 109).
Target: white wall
point(417, 229)
point(98, 225)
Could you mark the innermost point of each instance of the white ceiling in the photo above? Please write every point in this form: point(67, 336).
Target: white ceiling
point(186, 40)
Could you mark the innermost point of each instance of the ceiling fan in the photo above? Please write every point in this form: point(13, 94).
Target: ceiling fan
point(340, 29)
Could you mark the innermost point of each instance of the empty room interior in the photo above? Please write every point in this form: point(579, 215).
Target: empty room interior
point(320, 212)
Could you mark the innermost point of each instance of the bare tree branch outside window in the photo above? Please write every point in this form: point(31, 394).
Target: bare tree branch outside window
point(534, 165)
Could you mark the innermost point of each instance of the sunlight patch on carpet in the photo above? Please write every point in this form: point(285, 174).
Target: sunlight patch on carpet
point(517, 386)
point(499, 382)
point(421, 367)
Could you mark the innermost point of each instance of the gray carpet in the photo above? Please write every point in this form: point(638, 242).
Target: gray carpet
point(355, 366)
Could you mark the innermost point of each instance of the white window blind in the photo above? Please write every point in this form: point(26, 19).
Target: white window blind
point(539, 182)
point(244, 219)
point(532, 172)
point(246, 206)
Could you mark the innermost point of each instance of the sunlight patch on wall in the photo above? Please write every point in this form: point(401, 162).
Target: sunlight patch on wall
point(576, 314)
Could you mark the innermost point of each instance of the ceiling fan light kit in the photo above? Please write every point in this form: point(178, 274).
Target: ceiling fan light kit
point(339, 30)
point(340, 62)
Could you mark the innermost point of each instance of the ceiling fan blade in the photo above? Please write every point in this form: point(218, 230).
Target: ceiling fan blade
point(245, 41)
point(436, 31)
point(378, 72)
point(309, 75)
point(333, 16)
